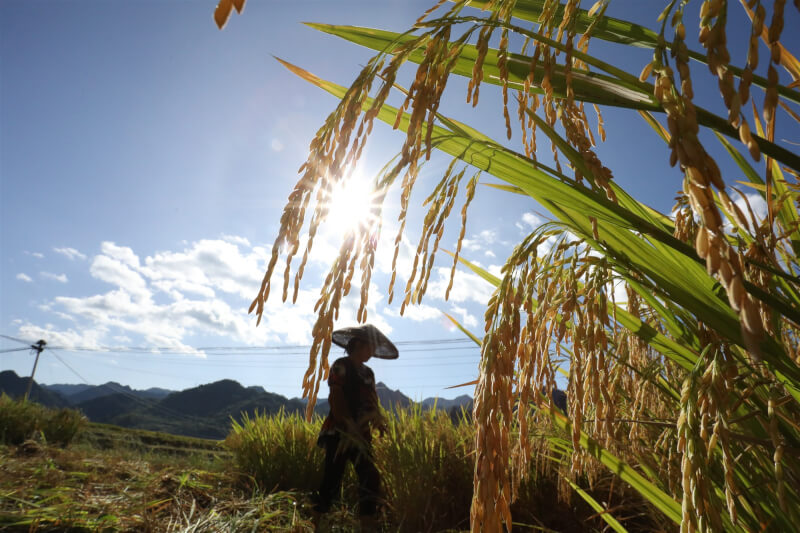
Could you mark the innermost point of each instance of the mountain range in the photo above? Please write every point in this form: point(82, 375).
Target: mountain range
point(204, 411)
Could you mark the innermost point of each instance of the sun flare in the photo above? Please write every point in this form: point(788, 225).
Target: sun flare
point(350, 205)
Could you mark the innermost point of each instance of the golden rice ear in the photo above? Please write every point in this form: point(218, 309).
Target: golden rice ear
point(222, 12)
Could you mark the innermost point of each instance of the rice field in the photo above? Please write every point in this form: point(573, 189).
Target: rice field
point(261, 478)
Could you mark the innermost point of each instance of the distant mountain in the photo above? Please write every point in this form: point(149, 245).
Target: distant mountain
point(203, 411)
point(461, 407)
point(15, 386)
point(94, 392)
point(106, 409)
point(445, 404)
point(80, 394)
point(391, 399)
point(154, 392)
point(207, 399)
point(211, 407)
point(66, 390)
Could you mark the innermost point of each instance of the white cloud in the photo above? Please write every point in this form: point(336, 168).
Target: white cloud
point(217, 264)
point(277, 145)
point(200, 280)
point(620, 295)
point(176, 288)
point(235, 239)
point(62, 278)
point(467, 287)
point(117, 273)
point(24, 277)
point(529, 221)
point(123, 254)
point(418, 312)
point(350, 304)
point(757, 204)
point(479, 241)
point(70, 253)
point(37, 255)
point(70, 338)
point(465, 317)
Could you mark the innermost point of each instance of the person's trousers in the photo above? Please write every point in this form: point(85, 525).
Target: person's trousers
point(369, 480)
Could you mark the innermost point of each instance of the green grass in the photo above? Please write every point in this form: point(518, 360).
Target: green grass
point(279, 452)
point(20, 421)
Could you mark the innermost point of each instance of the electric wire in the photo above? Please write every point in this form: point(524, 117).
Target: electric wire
point(16, 339)
point(254, 357)
point(14, 350)
point(55, 354)
point(298, 348)
point(448, 379)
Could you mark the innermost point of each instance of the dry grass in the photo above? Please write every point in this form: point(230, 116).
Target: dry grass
point(45, 488)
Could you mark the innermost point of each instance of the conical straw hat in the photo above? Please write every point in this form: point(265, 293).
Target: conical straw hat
point(384, 349)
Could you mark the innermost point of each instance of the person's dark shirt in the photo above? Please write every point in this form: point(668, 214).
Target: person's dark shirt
point(357, 383)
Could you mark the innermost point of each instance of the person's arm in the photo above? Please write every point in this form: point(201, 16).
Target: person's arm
point(339, 408)
point(378, 421)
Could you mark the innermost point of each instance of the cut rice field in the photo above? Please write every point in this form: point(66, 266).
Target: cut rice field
point(261, 479)
point(117, 479)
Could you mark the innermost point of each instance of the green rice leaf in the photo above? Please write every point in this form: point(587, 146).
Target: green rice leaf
point(653, 494)
point(601, 511)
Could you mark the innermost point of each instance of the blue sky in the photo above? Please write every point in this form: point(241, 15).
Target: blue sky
point(145, 158)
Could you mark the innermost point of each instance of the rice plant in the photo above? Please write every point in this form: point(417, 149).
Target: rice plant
point(279, 451)
point(22, 420)
point(426, 464)
point(688, 390)
point(426, 461)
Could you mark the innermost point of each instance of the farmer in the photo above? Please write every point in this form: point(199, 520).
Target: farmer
point(346, 434)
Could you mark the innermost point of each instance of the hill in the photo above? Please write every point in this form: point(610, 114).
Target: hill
point(204, 411)
point(107, 408)
point(15, 386)
point(391, 399)
point(78, 394)
point(66, 389)
point(443, 403)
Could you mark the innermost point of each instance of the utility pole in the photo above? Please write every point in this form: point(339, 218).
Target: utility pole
point(39, 347)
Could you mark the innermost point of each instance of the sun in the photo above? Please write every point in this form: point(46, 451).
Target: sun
point(351, 205)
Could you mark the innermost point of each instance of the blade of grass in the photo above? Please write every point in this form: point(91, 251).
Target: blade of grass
point(601, 511)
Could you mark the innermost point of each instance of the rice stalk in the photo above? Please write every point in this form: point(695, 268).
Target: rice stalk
point(701, 365)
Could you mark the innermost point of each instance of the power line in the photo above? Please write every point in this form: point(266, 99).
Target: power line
point(193, 350)
point(288, 365)
point(253, 357)
point(418, 355)
point(68, 366)
point(275, 353)
point(16, 339)
point(446, 380)
point(14, 350)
